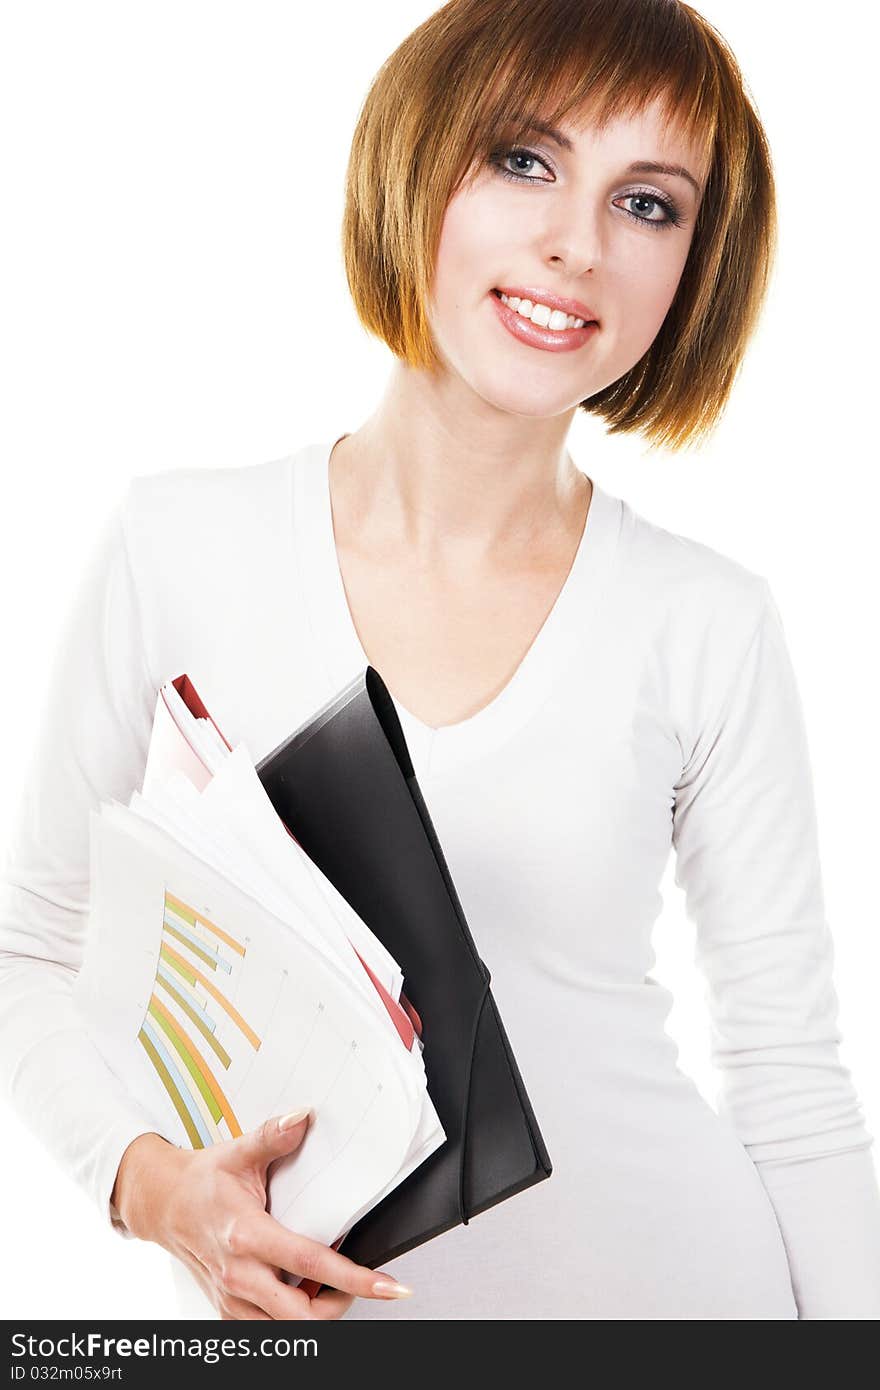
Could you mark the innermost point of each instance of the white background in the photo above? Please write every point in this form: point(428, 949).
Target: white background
point(173, 295)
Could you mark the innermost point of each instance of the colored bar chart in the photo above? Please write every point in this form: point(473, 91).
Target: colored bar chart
point(192, 1030)
point(215, 1014)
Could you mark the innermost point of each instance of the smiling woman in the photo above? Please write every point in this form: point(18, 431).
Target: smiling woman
point(552, 206)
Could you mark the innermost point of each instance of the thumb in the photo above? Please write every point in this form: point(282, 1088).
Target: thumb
point(274, 1138)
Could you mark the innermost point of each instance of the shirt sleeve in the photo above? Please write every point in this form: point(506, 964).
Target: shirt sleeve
point(746, 845)
point(92, 744)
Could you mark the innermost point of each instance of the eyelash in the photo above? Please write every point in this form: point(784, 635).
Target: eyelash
point(673, 215)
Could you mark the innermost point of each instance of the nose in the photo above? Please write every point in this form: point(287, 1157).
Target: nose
point(571, 239)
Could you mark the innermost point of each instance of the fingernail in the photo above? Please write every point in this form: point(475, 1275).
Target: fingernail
point(293, 1118)
point(391, 1288)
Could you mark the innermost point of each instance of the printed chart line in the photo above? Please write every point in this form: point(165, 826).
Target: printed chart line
point(169, 1029)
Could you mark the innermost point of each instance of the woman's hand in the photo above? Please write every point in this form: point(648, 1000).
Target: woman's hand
point(207, 1207)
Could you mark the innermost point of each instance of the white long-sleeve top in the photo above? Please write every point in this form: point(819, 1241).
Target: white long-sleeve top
point(656, 711)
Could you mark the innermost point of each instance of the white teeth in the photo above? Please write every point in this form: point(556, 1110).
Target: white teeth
point(542, 314)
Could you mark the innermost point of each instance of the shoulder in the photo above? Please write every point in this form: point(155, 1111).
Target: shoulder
point(688, 587)
point(683, 615)
point(182, 498)
point(208, 551)
point(204, 541)
point(203, 515)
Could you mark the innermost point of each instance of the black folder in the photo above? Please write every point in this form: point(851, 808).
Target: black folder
point(344, 786)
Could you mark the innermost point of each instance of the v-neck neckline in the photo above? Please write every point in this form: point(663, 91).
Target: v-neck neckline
point(564, 630)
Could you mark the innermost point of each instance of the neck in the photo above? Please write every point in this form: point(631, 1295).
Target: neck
point(440, 478)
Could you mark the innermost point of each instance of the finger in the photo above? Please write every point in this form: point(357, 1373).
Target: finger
point(331, 1304)
point(229, 1304)
point(237, 1310)
point(201, 1276)
point(273, 1244)
point(276, 1137)
point(264, 1288)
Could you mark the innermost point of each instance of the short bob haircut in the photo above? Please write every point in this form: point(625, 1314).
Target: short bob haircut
point(470, 77)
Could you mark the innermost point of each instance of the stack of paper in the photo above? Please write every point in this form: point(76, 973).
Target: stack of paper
point(226, 981)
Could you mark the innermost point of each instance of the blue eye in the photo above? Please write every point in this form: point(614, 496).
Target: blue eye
point(672, 216)
point(499, 158)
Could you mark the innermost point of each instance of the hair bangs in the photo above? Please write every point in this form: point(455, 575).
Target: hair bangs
point(559, 66)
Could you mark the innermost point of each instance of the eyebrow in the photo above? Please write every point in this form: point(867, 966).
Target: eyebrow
point(639, 166)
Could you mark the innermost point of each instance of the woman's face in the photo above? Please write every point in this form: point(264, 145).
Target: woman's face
point(577, 223)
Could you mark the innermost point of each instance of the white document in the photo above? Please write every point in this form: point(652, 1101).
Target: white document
point(221, 982)
point(184, 744)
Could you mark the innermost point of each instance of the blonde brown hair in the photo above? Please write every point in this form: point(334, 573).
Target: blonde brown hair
point(478, 68)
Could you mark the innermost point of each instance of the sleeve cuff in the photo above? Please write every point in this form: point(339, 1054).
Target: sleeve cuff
point(828, 1210)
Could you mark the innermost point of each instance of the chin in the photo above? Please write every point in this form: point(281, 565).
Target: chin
point(526, 405)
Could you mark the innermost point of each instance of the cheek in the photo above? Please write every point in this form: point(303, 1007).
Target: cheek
point(468, 251)
point(648, 287)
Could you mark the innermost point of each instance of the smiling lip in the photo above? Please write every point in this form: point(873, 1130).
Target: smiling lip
point(546, 339)
point(553, 301)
